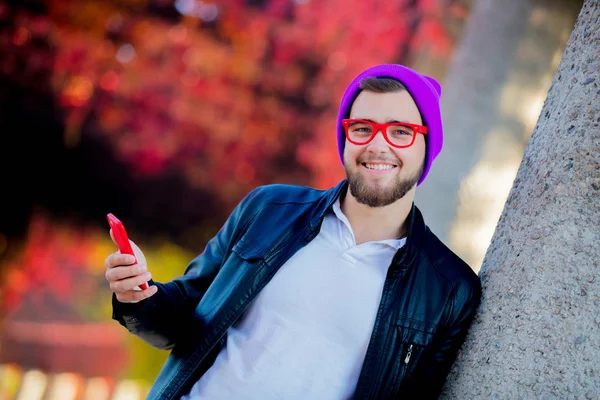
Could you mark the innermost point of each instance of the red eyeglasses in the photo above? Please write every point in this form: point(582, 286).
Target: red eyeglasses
point(397, 134)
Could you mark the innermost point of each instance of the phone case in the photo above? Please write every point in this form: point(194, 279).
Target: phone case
point(120, 235)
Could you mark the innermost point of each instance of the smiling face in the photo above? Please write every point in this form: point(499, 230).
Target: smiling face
point(379, 174)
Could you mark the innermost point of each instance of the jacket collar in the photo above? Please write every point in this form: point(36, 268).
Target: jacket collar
point(325, 202)
point(414, 240)
point(416, 227)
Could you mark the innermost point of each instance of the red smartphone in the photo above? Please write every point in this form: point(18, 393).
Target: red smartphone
point(120, 235)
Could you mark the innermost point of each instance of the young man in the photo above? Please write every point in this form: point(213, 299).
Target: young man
point(310, 294)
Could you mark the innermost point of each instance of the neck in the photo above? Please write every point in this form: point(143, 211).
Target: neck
point(378, 223)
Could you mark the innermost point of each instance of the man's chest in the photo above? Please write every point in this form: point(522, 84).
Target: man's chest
point(307, 331)
point(324, 288)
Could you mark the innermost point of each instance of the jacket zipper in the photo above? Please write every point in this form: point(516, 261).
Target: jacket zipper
point(404, 371)
point(367, 392)
point(408, 354)
point(362, 378)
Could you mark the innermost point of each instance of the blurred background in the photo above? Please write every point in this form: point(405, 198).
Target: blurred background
point(166, 113)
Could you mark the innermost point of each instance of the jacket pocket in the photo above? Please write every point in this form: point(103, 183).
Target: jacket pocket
point(233, 282)
point(248, 249)
point(413, 339)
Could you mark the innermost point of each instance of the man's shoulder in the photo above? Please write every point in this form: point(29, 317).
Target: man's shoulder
point(284, 193)
point(279, 205)
point(449, 264)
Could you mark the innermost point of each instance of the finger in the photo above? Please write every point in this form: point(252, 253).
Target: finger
point(133, 245)
point(138, 252)
point(118, 259)
point(123, 272)
point(128, 284)
point(134, 297)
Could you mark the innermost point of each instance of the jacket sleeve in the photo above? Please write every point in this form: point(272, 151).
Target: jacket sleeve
point(160, 320)
point(433, 373)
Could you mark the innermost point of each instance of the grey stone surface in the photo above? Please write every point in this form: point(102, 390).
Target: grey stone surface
point(537, 332)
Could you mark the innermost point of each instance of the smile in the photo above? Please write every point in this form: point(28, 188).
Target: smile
point(379, 167)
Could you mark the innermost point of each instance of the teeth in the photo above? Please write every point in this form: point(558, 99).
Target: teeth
point(379, 167)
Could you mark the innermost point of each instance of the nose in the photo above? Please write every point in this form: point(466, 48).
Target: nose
point(378, 144)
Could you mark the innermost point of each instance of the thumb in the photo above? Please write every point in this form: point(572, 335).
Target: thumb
point(112, 236)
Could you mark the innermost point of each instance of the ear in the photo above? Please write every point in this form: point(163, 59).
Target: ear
point(436, 85)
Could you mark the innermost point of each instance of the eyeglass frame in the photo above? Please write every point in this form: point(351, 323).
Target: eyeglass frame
point(383, 128)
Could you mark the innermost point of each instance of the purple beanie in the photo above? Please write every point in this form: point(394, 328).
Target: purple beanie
point(426, 93)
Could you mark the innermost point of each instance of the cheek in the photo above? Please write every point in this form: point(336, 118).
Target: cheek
point(412, 156)
point(417, 150)
point(351, 152)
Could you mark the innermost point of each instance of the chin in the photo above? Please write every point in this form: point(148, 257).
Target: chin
point(374, 193)
point(377, 195)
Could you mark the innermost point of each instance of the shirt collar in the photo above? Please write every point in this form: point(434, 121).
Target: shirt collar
point(337, 210)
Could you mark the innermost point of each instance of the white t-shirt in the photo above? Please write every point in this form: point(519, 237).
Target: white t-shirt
point(306, 334)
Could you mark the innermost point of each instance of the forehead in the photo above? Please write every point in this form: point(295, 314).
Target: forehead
point(384, 107)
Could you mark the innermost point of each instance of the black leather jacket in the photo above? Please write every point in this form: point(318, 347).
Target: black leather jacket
point(429, 297)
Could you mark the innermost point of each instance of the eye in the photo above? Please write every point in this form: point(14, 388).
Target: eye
point(361, 128)
point(401, 131)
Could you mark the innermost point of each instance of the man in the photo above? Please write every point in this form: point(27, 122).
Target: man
point(310, 294)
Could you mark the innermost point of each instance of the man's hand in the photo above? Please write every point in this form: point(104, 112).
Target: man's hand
point(124, 277)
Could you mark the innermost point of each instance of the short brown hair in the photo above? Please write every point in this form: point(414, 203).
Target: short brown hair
point(381, 85)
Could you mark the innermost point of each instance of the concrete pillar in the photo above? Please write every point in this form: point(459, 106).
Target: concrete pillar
point(537, 332)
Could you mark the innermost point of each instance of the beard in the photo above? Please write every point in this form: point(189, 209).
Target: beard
point(376, 196)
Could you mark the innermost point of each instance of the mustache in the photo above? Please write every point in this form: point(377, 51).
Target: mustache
point(371, 159)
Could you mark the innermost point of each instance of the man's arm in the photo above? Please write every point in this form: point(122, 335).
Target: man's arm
point(431, 375)
point(161, 319)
